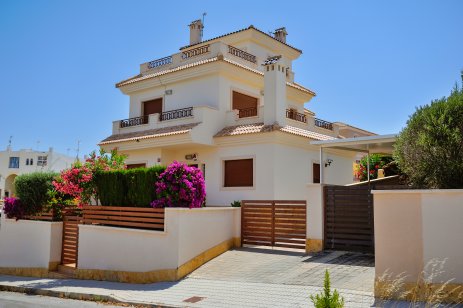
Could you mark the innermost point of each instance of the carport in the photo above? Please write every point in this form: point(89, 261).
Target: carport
point(348, 210)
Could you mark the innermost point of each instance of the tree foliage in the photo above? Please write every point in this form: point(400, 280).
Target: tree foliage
point(32, 189)
point(430, 148)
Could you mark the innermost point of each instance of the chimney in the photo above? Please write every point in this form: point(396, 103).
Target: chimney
point(280, 34)
point(196, 29)
point(274, 91)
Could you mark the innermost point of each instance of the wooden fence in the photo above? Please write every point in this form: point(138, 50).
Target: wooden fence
point(144, 218)
point(280, 223)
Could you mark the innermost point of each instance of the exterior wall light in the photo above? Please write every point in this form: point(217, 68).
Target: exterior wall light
point(328, 162)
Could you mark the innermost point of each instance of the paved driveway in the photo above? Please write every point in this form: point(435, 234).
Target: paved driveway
point(349, 271)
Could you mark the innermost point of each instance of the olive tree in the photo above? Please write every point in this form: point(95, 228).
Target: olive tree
point(430, 148)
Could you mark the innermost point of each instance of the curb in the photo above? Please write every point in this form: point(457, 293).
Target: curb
point(80, 296)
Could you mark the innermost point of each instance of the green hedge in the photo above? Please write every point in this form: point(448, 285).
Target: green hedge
point(32, 189)
point(131, 187)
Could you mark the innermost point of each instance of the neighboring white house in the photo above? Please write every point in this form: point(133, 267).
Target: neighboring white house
point(230, 106)
point(14, 163)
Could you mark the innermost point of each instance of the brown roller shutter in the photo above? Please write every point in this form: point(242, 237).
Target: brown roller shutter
point(152, 106)
point(239, 173)
point(133, 166)
point(242, 101)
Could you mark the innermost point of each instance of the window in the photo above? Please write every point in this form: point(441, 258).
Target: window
point(247, 105)
point(42, 161)
point(27, 162)
point(239, 173)
point(31, 161)
point(316, 173)
point(152, 106)
point(14, 162)
point(133, 166)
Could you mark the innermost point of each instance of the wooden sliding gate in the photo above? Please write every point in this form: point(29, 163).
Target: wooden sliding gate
point(71, 219)
point(349, 218)
point(280, 223)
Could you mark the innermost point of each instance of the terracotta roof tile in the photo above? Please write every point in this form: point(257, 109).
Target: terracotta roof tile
point(261, 128)
point(238, 31)
point(152, 133)
point(140, 77)
point(271, 60)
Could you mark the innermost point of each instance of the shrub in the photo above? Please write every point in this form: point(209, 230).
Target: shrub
point(32, 189)
point(180, 186)
point(13, 208)
point(430, 148)
point(236, 203)
point(78, 181)
point(377, 161)
point(132, 187)
point(326, 299)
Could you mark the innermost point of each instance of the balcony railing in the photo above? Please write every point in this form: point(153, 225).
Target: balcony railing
point(323, 124)
point(134, 121)
point(195, 52)
point(242, 54)
point(176, 114)
point(247, 112)
point(294, 115)
point(160, 62)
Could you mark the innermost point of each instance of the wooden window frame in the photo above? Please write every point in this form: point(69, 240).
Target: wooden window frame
point(313, 171)
point(254, 172)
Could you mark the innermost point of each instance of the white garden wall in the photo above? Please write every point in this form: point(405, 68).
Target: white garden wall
point(30, 244)
point(188, 233)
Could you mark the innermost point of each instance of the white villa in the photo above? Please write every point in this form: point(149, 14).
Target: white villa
point(230, 106)
point(14, 163)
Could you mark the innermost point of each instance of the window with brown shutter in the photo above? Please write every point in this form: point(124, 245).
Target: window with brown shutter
point(316, 173)
point(238, 173)
point(152, 106)
point(242, 101)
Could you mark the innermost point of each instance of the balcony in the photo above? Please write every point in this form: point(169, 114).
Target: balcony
point(323, 124)
point(161, 120)
point(198, 54)
point(296, 116)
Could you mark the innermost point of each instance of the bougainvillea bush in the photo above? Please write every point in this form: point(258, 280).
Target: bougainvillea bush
point(78, 181)
point(13, 208)
point(180, 186)
point(376, 161)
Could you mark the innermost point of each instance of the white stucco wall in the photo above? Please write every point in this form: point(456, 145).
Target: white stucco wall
point(315, 217)
point(32, 244)
point(413, 227)
point(188, 232)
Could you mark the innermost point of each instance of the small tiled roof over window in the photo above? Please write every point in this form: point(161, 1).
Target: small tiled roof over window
point(152, 133)
point(261, 128)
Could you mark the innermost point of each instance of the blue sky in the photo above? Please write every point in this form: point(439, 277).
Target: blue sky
point(370, 62)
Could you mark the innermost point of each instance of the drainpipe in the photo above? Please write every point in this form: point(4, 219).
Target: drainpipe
point(368, 164)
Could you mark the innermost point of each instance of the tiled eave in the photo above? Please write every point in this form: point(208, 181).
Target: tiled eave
point(261, 128)
point(148, 134)
point(139, 78)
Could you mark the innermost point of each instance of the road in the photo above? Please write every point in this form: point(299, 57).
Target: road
point(19, 300)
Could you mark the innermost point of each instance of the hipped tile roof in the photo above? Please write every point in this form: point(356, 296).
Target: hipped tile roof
point(152, 133)
point(261, 128)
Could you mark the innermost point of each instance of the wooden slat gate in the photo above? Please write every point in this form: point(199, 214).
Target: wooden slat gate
point(69, 251)
point(280, 223)
point(349, 218)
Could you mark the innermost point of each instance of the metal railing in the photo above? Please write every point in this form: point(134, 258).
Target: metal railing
point(294, 115)
point(247, 112)
point(195, 52)
point(242, 54)
point(323, 124)
point(134, 121)
point(160, 62)
point(176, 114)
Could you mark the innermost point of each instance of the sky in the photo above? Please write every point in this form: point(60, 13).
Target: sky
point(371, 63)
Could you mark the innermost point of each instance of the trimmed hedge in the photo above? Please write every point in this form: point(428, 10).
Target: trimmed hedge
point(32, 189)
point(131, 187)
